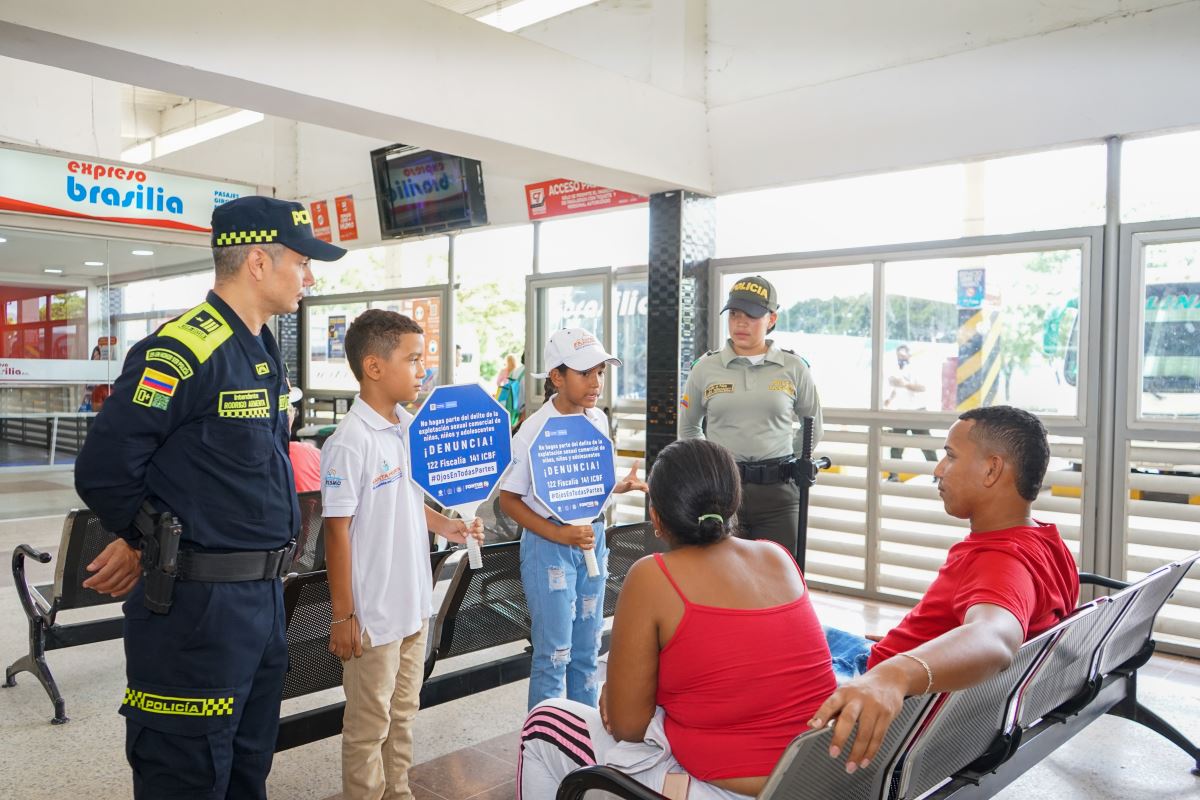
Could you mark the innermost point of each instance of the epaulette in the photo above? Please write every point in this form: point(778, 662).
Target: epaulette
point(797, 355)
point(202, 330)
point(697, 361)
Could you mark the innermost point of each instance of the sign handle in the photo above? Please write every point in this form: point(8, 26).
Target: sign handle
point(589, 558)
point(474, 554)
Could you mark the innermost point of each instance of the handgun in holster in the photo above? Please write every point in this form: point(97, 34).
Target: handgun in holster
point(160, 532)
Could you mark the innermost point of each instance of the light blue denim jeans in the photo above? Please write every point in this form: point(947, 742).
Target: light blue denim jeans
point(566, 609)
point(849, 651)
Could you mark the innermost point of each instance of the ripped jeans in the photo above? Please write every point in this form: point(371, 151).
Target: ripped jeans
point(566, 609)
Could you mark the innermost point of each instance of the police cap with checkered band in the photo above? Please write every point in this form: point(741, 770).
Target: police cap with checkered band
point(264, 220)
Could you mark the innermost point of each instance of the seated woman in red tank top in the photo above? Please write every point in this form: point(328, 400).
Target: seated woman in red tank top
point(717, 661)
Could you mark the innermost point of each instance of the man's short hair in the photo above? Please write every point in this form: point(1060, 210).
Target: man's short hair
point(1017, 436)
point(229, 260)
point(376, 332)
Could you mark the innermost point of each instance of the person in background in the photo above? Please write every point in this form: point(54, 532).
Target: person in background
point(748, 395)
point(905, 394)
point(1011, 578)
point(717, 662)
point(305, 457)
point(510, 364)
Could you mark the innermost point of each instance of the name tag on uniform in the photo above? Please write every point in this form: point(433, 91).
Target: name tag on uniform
point(783, 385)
point(718, 388)
point(245, 403)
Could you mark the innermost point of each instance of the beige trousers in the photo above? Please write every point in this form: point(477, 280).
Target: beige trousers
point(383, 693)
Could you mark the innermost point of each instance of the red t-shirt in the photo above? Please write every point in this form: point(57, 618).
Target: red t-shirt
point(1026, 570)
point(306, 466)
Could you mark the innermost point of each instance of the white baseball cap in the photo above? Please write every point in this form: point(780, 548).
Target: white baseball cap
point(577, 349)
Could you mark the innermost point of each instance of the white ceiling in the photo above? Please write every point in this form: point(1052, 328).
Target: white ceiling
point(25, 255)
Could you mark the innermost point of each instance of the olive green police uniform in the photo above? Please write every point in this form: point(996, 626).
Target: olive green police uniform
point(750, 409)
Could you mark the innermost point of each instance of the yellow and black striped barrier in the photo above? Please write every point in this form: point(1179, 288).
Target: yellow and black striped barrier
point(978, 356)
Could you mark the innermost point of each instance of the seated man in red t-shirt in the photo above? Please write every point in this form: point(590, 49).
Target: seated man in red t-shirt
point(1011, 578)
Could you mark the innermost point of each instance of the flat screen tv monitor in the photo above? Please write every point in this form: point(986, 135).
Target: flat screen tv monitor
point(423, 191)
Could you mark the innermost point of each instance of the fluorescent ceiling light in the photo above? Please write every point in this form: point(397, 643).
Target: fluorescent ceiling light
point(524, 13)
point(3, 240)
point(93, 263)
point(142, 252)
point(53, 270)
point(187, 137)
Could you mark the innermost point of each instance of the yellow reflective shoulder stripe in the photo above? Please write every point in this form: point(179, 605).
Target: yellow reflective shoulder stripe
point(202, 330)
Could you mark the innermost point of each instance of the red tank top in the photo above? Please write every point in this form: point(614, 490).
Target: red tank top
point(737, 685)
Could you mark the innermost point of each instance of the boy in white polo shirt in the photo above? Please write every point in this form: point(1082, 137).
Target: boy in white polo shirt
point(377, 551)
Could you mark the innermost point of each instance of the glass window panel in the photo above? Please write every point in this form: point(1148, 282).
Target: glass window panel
point(1158, 177)
point(915, 205)
point(825, 318)
point(983, 331)
point(490, 268)
point(1170, 352)
point(632, 301)
point(578, 306)
point(1038, 191)
point(611, 239)
point(417, 262)
point(328, 369)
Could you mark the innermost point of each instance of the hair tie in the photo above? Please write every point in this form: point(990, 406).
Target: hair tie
point(717, 517)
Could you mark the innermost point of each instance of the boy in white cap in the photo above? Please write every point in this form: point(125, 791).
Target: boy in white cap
point(566, 606)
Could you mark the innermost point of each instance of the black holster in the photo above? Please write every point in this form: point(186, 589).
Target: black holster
point(160, 532)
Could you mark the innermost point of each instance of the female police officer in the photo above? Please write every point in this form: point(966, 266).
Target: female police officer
point(197, 425)
point(750, 392)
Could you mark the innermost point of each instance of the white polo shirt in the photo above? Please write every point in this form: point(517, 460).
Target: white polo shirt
point(365, 475)
point(519, 479)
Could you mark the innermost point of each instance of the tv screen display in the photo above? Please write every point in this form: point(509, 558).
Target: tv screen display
point(423, 191)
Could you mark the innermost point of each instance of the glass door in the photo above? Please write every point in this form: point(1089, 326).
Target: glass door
point(1156, 481)
point(581, 299)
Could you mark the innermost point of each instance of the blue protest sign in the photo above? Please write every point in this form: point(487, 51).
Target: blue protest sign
point(571, 463)
point(459, 445)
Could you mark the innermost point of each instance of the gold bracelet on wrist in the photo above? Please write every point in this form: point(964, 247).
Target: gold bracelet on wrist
point(928, 671)
point(346, 618)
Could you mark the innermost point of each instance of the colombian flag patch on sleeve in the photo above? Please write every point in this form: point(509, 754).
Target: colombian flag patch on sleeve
point(159, 382)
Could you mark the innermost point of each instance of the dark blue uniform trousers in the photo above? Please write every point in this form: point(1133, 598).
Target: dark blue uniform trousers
point(204, 688)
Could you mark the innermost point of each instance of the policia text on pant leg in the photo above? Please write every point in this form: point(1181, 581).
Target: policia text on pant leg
point(197, 426)
point(748, 394)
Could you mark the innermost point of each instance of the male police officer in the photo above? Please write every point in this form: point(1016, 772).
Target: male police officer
point(197, 426)
point(748, 394)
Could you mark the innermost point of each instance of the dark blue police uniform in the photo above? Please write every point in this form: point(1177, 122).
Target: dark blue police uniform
point(197, 425)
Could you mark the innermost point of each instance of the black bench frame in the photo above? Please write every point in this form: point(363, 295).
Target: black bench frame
point(82, 540)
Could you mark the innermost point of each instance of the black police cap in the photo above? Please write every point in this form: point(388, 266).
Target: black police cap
point(264, 220)
point(753, 295)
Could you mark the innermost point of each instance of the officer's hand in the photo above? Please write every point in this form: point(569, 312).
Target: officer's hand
point(581, 536)
point(631, 482)
point(345, 639)
point(117, 568)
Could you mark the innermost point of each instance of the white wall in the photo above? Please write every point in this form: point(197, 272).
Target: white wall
point(55, 109)
point(1127, 74)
